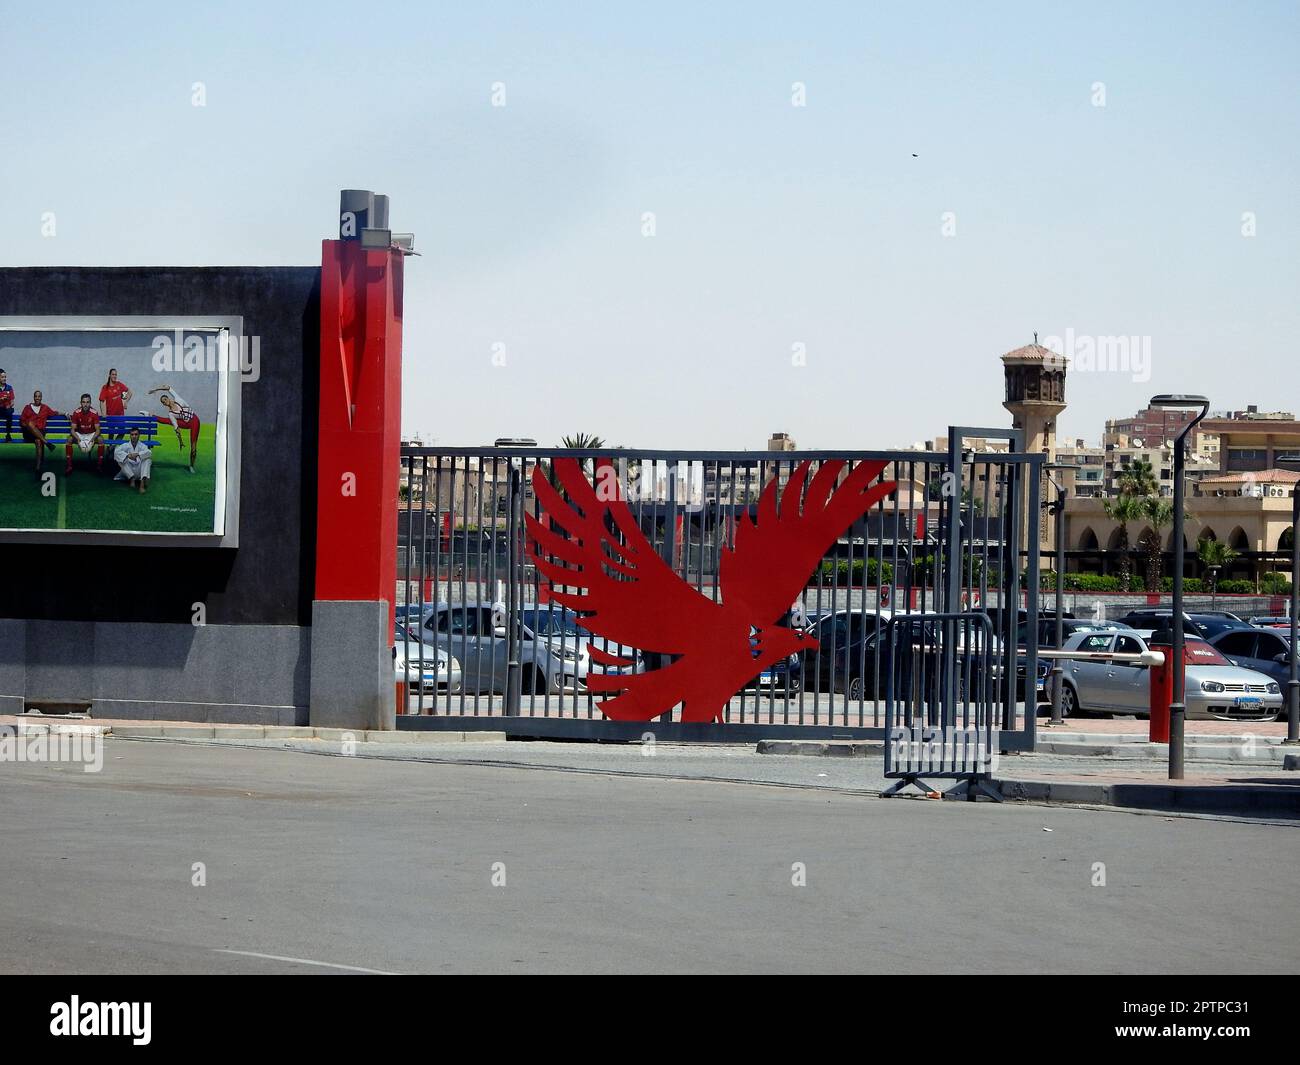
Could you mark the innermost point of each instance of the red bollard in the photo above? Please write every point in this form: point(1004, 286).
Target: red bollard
point(1162, 694)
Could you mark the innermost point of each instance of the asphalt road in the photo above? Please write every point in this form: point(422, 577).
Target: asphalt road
point(320, 864)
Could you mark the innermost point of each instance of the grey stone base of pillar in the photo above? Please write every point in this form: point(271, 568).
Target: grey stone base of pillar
point(352, 676)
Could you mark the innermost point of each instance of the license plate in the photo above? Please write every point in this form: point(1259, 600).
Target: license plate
point(1248, 700)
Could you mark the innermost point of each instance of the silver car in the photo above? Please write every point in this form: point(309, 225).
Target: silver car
point(1215, 688)
point(423, 666)
point(475, 634)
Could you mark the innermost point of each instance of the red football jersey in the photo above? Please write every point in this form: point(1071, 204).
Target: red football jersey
point(31, 417)
point(111, 397)
point(84, 421)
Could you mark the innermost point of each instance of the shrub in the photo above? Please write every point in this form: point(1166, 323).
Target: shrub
point(1080, 582)
point(1274, 584)
point(839, 570)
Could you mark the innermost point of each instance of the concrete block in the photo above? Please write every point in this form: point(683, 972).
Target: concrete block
point(187, 732)
point(240, 732)
point(386, 736)
point(352, 676)
point(821, 749)
point(339, 735)
point(127, 732)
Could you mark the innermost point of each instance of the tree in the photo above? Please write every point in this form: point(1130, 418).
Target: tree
point(1159, 512)
point(576, 442)
point(1216, 555)
point(1122, 510)
point(1139, 480)
point(582, 442)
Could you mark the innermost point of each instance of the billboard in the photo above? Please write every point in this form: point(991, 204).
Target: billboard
point(120, 429)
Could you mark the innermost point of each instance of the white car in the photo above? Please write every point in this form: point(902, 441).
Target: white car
point(423, 666)
point(1214, 687)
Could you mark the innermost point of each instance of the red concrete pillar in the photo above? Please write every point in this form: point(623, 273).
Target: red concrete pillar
point(360, 434)
point(358, 448)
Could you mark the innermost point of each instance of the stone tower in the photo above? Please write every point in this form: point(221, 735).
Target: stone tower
point(1035, 395)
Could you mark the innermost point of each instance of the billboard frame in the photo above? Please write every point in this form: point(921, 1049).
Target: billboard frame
point(228, 425)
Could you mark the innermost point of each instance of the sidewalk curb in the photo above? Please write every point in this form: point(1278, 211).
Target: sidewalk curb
point(1256, 800)
point(1264, 752)
point(57, 728)
point(828, 749)
point(292, 732)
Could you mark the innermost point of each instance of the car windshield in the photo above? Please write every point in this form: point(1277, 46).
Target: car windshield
point(553, 622)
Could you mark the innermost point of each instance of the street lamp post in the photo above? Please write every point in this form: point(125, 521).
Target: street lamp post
point(1057, 509)
point(1178, 706)
point(1292, 461)
point(1293, 685)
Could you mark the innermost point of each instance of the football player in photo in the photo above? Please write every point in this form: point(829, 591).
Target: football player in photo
point(32, 421)
point(85, 433)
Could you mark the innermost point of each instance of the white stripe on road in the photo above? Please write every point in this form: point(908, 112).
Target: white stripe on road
point(307, 961)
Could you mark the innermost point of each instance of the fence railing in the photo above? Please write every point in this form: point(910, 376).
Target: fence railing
point(471, 593)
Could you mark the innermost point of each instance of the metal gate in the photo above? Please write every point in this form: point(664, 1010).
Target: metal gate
point(485, 641)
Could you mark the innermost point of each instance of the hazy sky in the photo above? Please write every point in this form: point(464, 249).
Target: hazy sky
point(774, 225)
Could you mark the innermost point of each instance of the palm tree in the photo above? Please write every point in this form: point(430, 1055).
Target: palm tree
point(1159, 512)
point(576, 442)
point(1216, 555)
point(1139, 479)
point(1122, 510)
point(582, 442)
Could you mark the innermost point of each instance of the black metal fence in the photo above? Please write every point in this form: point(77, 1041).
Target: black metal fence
point(485, 645)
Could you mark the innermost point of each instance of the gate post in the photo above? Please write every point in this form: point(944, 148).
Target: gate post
point(358, 457)
point(1034, 470)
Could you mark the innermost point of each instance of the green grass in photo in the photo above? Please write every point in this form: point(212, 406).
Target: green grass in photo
point(177, 500)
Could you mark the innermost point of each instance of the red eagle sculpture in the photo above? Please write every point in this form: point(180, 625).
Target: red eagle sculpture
point(626, 593)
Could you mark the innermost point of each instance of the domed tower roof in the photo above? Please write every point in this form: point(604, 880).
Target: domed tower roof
point(1035, 377)
point(1033, 354)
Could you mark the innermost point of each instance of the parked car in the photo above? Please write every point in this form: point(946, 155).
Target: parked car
point(785, 676)
point(547, 662)
point(1264, 650)
point(1047, 640)
point(854, 650)
point(423, 666)
point(1204, 625)
point(563, 629)
point(1069, 626)
point(1223, 614)
point(996, 615)
point(1273, 621)
point(1214, 687)
point(411, 613)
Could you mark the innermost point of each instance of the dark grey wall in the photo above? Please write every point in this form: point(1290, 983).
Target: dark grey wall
point(268, 579)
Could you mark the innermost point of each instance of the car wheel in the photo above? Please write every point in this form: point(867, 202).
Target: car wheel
point(1069, 702)
point(855, 689)
point(532, 681)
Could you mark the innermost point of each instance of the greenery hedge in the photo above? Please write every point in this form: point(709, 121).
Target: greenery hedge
point(839, 570)
point(1084, 582)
